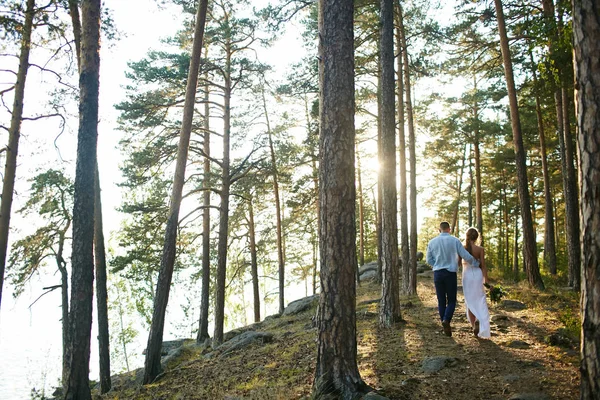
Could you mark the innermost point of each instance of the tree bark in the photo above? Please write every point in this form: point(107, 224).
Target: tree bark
point(253, 261)
point(101, 289)
point(336, 371)
point(205, 295)
point(529, 244)
point(361, 215)
point(224, 207)
point(82, 277)
point(275, 175)
point(564, 137)
point(455, 223)
point(14, 134)
point(389, 309)
point(549, 243)
point(571, 198)
point(586, 32)
point(404, 233)
point(152, 366)
point(412, 288)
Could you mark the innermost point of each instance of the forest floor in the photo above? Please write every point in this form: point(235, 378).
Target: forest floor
point(532, 354)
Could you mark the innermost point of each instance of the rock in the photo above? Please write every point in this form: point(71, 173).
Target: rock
point(517, 344)
point(271, 317)
point(499, 317)
point(419, 255)
point(411, 381)
point(422, 267)
point(427, 274)
point(367, 315)
point(244, 340)
point(373, 396)
point(558, 339)
point(512, 305)
point(169, 345)
point(372, 266)
point(529, 396)
point(369, 275)
point(530, 364)
point(435, 364)
point(300, 305)
point(367, 302)
point(511, 378)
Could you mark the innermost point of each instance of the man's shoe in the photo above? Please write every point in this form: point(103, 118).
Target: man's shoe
point(476, 328)
point(447, 328)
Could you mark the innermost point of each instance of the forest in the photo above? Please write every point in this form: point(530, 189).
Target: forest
point(239, 181)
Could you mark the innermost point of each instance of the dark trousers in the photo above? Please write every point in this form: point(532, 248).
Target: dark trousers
point(445, 289)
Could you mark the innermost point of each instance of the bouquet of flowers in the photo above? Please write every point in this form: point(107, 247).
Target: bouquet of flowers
point(496, 293)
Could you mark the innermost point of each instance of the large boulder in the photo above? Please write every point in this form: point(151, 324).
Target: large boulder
point(372, 266)
point(369, 275)
point(420, 255)
point(512, 305)
point(300, 305)
point(244, 340)
point(434, 364)
point(170, 345)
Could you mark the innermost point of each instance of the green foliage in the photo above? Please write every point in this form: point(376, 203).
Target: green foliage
point(51, 198)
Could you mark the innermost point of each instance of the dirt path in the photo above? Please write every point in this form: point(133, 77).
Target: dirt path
point(514, 361)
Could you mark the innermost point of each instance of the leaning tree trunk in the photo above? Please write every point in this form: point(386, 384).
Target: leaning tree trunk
point(412, 287)
point(389, 310)
point(205, 295)
point(82, 277)
point(152, 366)
point(101, 289)
point(404, 234)
point(336, 371)
point(14, 133)
point(477, 157)
point(279, 227)
point(253, 260)
point(529, 244)
point(586, 32)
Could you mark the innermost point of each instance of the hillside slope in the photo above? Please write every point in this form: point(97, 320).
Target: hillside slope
point(522, 360)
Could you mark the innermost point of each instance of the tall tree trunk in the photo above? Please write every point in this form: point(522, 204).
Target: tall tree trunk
point(152, 366)
point(571, 198)
point(458, 196)
point(549, 243)
point(566, 151)
point(516, 251)
point(336, 370)
point(586, 32)
point(361, 214)
point(275, 175)
point(205, 295)
point(253, 260)
point(529, 244)
point(477, 156)
point(224, 208)
point(470, 193)
point(99, 249)
point(412, 287)
point(404, 233)
point(389, 309)
point(64, 280)
point(101, 289)
point(14, 133)
point(82, 278)
point(318, 235)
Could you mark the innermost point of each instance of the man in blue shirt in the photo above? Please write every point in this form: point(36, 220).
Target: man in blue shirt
point(443, 254)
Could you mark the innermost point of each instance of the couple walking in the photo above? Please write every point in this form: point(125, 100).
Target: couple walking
point(444, 253)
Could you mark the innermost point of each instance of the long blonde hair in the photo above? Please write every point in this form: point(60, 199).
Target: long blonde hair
point(471, 236)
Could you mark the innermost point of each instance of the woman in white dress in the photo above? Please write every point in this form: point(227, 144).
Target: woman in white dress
point(473, 280)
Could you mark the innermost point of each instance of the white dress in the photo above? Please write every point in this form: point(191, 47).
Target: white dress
point(472, 280)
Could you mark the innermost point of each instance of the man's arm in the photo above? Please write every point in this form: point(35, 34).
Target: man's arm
point(430, 257)
point(462, 252)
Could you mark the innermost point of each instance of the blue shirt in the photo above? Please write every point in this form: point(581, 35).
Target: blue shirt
point(443, 252)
